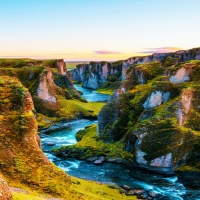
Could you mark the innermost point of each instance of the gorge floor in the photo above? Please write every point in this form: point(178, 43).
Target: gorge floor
point(167, 187)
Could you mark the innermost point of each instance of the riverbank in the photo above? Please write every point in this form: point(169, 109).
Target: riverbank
point(116, 171)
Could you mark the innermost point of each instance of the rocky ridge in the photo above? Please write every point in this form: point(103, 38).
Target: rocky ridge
point(92, 75)
point(155, 118)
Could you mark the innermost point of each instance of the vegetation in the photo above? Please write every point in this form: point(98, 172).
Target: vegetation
point(90, 145)
point(160, 124)
point(72, 65)
point(23, 163)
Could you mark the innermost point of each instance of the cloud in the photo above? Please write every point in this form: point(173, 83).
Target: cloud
point(106, 52)
point(23, 56)
point(160, 50)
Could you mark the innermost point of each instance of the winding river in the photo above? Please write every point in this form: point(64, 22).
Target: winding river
point(173, 187)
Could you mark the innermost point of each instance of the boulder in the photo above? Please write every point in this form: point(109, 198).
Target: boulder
point(98, 162)
point(139, 192)
point(102, 158)
point(92, 159)
point(126, 187)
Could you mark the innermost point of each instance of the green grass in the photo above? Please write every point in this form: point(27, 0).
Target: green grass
point(74, 107)
point(22, 196)
point(72, 65)
point(81, 190)
point(91, 145)
point(105, 91)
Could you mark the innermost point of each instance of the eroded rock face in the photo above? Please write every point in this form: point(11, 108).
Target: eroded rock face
point(140, 157)
point(184, 106)
point(156, 99)
point(181, 75)
point(61, 66)
point(76, 75)
point(161, 116)
point(91, 82)
point(125, 66)
point(21, 157)
point(163, 161)
point(94, 73)
point(179, 56)
point(45, 89)
point(105, 72)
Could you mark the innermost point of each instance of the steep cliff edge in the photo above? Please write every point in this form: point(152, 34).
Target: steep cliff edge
point(22, 161)
point(156, 115)
point(92, 75)
point(54, 95)
point(21, 157)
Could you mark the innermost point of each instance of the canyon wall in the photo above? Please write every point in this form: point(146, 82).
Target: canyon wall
point(94, 73)
point(21, 156)
point(157, 117)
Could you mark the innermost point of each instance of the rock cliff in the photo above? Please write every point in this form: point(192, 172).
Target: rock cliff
point(93, 74)
point(22, 162)
point(61, 66)
point(48, 82)
point(21, 157)
point(156, 116)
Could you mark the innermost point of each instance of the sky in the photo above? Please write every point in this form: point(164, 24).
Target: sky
point(94, 30)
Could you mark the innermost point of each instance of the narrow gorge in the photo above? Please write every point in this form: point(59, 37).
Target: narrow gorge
point(132, 124)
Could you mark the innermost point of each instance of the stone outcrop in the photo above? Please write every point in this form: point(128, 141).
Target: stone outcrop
point(155, 99)
point(45, 89)
point(156, 118)
point(94, 73)
point(61, 66)
point(168, 59)
point(91, 82)
point(45, 86)
point(21, 157)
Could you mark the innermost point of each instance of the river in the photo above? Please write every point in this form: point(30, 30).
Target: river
point(172, 187)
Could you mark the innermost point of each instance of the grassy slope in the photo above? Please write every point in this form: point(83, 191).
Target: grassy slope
point(83, 190)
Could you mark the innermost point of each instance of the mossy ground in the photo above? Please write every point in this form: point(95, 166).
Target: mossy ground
point(82, 189)
point(91, 145)
point(105, 91)
point(74, 108)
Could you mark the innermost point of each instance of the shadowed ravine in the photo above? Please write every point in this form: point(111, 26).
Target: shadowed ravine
point(167, 187)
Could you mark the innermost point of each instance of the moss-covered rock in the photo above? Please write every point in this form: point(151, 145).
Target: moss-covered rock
point(90, 145)
point(21, 157)
point(157, 117)
point(50, 85)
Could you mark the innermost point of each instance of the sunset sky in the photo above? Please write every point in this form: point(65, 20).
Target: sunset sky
point(82, 30)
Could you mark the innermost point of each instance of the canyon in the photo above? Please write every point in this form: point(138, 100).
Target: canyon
point(150, 121)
